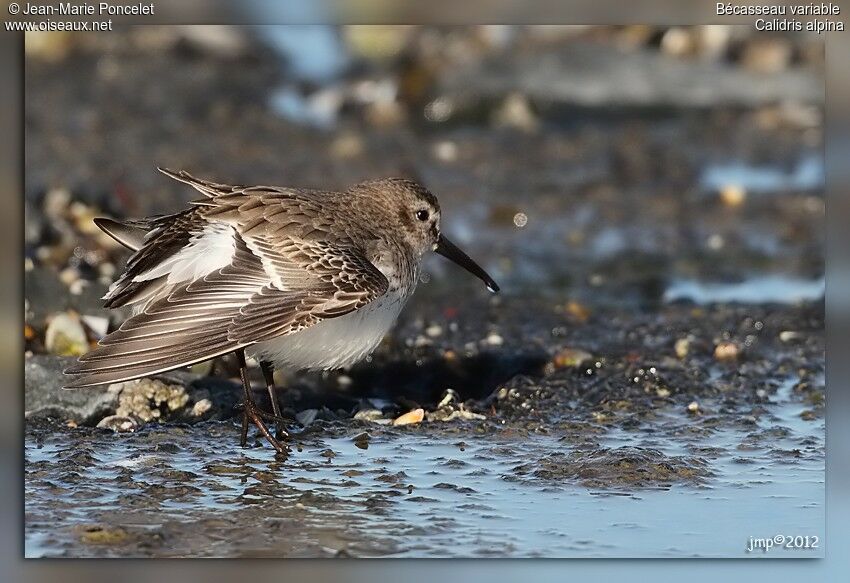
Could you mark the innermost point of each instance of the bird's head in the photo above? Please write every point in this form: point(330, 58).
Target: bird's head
point(416, 211)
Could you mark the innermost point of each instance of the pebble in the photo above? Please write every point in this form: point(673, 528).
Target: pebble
point(682, 347)
point(789, 336)
point(344, 381)
point(678, 41)
point(410, 418)
point(201, 407)
point(516, 112)
point(571, 357)
point(434, 330)
point(361, 440)
point(494, 339)
point(369, 415)
point(693, 407)
point(65, 336)
point(69, 275)
point(118, 423)
point(733, 195)
point(421, 341)
point(445, 151)
point(726, 351)
point(439, 110)
point(577, 311)
point(76, 288)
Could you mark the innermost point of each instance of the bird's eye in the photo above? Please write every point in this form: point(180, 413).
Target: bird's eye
point(422, 215)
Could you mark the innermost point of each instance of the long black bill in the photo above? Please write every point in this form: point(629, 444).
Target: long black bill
point(448, 249)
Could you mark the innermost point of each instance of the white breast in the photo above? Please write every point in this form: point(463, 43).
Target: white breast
point(335, 342)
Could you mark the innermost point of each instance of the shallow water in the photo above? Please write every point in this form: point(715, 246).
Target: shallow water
point(754, 290)
point(432, 490)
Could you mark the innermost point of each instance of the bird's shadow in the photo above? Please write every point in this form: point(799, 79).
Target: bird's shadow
point(414, 383)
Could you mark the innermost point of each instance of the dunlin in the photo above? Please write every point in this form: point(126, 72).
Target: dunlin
point(299, 278)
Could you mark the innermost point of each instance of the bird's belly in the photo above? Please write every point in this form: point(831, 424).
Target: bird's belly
point(335, 342)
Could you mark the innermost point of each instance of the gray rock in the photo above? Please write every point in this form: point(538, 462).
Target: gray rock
point(45, 397)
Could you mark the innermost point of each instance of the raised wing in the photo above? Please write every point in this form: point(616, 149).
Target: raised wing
point(282, 277)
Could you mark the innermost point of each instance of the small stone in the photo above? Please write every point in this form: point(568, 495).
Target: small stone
point(726, 351)
point(118, 424)
point(662, 392)
point(716, 242)
point(445, 151)
point(369, 415)
point(789, 336)
point(693, 408)
point(344, 381)
point(361, 440)
point(69, 275)
point(494, 339)
point(577, 311)
point(410, 418)
point(65, 336)
point(78, 287)
point(434, 330)
point(571, 357)
point(808, 415)
point(516, 112)
point(732, 195)
point(682, 347)
point(56, 202)
point(678, 41)
point(201, 407)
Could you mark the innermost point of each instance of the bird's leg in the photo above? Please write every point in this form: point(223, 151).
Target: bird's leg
point(268, 374)
point(252, 412)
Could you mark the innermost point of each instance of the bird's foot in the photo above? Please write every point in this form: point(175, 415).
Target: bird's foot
point(252, 413)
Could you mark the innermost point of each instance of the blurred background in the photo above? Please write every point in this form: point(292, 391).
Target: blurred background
point(626, 165)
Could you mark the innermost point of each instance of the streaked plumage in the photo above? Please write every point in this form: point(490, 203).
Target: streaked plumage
point(304, 278)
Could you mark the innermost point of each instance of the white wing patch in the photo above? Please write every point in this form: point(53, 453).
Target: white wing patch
point(206, 252)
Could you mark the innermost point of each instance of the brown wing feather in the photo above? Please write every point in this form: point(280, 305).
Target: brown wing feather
point(287, 274)
point(188, 326)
